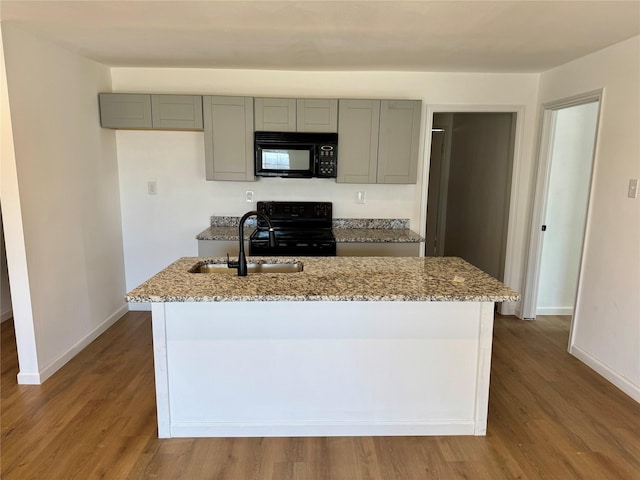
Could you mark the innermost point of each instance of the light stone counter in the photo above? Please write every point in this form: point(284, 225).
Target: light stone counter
point(346, 230)
point(328, 279)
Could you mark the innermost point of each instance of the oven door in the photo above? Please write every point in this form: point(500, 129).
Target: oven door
point(285, 160)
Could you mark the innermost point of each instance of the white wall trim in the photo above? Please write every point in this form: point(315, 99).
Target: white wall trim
point(554, 311)
point(546, 125)
point(53, 367)
point(6, 315)
point(26, 378)
point(619, 381)
point(15, 247)
point(161, 369)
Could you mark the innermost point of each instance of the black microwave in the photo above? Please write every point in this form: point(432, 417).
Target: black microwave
point(296, 154)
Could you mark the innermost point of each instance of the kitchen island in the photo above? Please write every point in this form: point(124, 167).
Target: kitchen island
point(347, 346)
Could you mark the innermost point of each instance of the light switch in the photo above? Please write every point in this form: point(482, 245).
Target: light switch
point(152, 188)
point(633, 188)
point(248, 196)
point(361, 197)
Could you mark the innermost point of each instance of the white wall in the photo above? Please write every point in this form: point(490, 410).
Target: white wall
point(157, 229)
point(567, 198)
point(66, 186)
point(606, 329)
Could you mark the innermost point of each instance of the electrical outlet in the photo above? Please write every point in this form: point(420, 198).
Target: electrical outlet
point(248, 196)
point(361, 197)
point(633, 188)
point(152, 188)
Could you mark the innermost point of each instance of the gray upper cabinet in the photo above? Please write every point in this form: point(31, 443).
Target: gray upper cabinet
point(176, 112)
point(125, 110)
point(378, 141)
point(275, 114)
point(317, 115)
point(169, 112)
point(296, 115)
point(399, 141)
point(228, 138)
point(358, 141)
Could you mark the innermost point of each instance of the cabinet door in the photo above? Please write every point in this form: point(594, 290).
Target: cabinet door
point(275, 114)
point(177, 112)
point(358, 125)
point(125, 110)
point(399, 141)
point(372, 249)
point(317, 115)
point(228, 138)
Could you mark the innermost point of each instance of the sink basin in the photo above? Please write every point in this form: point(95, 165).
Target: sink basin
point(251, 268)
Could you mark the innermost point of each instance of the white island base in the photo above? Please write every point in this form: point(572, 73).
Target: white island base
point(322, 368)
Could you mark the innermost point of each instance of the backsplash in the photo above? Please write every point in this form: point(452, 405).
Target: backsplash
point(217, 221)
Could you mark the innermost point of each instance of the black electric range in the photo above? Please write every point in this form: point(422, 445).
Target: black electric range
point(301, 228)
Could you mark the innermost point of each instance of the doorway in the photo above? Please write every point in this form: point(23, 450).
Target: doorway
point(6, 310)
point(469, 187)
point(567, 151)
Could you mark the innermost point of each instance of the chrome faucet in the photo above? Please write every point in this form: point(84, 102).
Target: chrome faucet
point(241, 264)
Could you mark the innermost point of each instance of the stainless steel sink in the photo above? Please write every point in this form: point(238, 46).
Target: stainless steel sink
point(293, 267)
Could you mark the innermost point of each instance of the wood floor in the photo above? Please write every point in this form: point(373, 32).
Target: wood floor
point(550, 417)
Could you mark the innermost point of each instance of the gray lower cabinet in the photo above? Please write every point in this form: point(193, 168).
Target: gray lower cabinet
point(296, 115)
point(146, 111)
point(177, 112)
point(228, 138)
point(220, 248)
point(378, 141)
point(125, 110)
point(375, 249)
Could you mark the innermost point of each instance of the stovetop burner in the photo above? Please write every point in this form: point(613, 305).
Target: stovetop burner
point(301, 228)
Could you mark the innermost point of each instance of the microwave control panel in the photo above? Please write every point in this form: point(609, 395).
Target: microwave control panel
point(327, 161)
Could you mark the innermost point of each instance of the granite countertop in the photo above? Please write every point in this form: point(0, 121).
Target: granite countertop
point(345, 230)
point(328, 279)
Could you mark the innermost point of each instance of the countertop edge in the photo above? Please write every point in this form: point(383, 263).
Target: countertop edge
point(342, 235)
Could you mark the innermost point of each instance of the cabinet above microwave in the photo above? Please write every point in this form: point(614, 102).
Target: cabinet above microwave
point(296, 115)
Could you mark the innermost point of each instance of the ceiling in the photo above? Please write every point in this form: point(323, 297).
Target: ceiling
point(454, 36)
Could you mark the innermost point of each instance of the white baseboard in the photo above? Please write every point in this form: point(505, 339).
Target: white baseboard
point(322, 429)
point(554, 311)
point(53, 367)
point(139, 307)
point(29, 378)
point(4, 316)
point(618, 380)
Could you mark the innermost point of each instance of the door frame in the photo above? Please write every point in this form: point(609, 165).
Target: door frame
point(538, 214)
point(511, 272)
point(443, 189)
